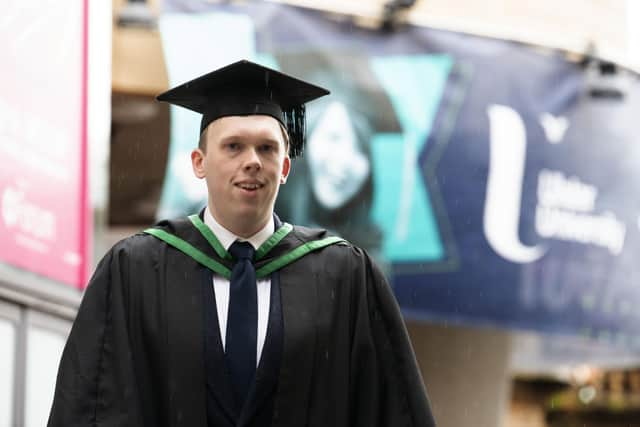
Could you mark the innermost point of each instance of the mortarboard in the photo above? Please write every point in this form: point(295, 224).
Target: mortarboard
point(245, 88)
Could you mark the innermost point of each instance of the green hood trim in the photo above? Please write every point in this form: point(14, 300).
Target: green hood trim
point(273, 240)
point(211, 238)
point(220, 250)
point(295, 254)
point(263, 271)
point(191, 251)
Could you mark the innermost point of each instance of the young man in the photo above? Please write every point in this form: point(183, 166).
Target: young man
point(231, 317)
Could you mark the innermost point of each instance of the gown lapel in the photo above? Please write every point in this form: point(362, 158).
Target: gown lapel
point(298, 290)
point(192, 332)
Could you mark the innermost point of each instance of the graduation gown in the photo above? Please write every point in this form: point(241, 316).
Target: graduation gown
point(135, 355)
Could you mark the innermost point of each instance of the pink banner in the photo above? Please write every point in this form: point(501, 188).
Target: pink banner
point(44, 212)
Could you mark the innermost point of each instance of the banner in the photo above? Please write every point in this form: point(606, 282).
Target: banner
point(488, 181)
point(44, 214)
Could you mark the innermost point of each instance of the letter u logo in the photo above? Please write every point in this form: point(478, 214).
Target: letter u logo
point(508, 143)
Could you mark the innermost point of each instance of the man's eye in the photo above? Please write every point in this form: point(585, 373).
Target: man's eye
point(267, 148)
point(233, 146)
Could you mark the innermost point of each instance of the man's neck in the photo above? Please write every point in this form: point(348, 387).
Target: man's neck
point(241, 227)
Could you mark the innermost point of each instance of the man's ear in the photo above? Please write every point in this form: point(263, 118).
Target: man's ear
point(197, 163)
point(286, 168)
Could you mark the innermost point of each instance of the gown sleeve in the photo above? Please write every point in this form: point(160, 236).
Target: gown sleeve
point(96, 382)
point(386, 384)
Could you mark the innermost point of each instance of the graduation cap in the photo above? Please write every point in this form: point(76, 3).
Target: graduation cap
point(245, 88)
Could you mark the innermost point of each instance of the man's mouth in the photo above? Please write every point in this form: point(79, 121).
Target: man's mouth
point(249, 186)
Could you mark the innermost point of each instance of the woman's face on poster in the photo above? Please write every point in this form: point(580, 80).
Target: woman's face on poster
point(337, 164)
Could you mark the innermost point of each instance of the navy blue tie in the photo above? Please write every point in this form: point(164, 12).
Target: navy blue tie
point(242, 321)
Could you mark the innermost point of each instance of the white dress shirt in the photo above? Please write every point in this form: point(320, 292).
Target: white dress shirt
point(221, 285)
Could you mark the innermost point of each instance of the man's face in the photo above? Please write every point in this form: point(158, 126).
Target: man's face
point(244, 163)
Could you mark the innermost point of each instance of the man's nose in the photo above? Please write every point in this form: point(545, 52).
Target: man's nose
point(252, 161)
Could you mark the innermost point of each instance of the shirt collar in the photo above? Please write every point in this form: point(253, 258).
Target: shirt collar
point(226, 237)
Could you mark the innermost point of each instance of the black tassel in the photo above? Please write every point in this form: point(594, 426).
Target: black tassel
point(296, 127)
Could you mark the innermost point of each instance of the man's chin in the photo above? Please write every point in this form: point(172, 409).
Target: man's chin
point(251, 215)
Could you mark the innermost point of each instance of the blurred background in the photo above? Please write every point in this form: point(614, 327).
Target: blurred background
point(484, 152)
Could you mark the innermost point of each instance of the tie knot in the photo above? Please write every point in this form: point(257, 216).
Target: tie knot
point(242, 250)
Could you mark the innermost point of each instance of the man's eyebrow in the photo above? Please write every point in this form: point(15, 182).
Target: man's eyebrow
point(231, 136)
point(270, 140)
point(266, 136)
point(262, 140)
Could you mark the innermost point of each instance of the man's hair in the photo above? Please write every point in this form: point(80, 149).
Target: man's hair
point(202, 142)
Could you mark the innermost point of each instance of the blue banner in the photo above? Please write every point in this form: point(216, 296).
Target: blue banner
point(488, 181)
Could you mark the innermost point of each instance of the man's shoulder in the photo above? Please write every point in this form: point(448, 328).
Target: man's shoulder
point(138, 243)
point(339, 262)
point(307, 234)
point(144, 242)
point(336, 246)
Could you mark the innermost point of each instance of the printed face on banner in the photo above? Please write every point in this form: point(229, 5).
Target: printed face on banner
point(338, 165)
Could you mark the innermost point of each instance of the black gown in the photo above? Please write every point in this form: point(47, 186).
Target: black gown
point(135, 353)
